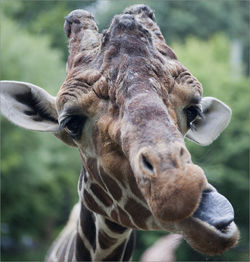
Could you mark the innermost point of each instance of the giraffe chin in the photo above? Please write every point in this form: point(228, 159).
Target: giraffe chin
point(206, 238)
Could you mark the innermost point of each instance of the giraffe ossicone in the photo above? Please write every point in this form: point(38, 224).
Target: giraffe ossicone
point(127, 103)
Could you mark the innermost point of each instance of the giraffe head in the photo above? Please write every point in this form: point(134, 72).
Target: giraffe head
point(127, 103)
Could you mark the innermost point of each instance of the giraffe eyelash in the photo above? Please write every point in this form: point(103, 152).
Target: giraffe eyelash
point(192, 112)
point(73, 125)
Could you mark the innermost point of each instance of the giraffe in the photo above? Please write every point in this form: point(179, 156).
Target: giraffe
point(127, 104)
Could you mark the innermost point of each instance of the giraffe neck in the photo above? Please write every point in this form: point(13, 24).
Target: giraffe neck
point(115, 197)
point(91, 233)
point(91, 237)
point(101, 226)
point(100, 239)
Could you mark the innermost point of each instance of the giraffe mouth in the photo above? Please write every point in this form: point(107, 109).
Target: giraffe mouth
point(215, 210)
point(211, 229)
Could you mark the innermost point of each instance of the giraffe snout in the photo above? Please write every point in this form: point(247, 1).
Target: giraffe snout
point(152, 162)
point(171, 184)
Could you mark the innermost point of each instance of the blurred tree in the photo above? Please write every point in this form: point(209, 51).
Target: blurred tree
point(38, 186)
point(44, 17)
point(177, 19)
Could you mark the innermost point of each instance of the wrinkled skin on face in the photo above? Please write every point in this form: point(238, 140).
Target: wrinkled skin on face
point(142, 119)
point(133, 92)
point(127, 103)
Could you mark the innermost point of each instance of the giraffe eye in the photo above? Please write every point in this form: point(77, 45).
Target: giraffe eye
point(191, 114)
point(74, 125)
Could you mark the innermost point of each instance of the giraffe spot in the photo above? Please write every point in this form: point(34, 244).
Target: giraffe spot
point(116, 253)
point(138, 212)
point(92, 205)
point(114, 215)
point(82, 253)
point(124, 218)
point(130, 246)
point(112, 186)
point(88, 225)
point(105, 241)
point(115, 227)
point(101, 195)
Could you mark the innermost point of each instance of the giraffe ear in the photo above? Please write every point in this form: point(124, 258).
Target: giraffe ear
point(216, 117)
point(30, 107)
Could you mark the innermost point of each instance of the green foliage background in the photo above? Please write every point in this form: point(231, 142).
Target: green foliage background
point(39, 174)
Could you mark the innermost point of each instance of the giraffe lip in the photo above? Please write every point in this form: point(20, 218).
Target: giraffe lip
point(215, 210)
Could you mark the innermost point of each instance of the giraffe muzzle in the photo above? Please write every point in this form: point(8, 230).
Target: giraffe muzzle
point(170, 183)
point(177, 192)
point(213, 208)
point(211, 229)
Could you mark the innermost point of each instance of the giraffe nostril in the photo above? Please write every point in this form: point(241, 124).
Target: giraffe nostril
point(147, 164)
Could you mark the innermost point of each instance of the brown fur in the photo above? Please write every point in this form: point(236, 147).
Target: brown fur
point(133, 90)
point(105, 240)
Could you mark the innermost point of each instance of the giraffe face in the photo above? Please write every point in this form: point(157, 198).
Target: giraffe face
point(135, 102)
point(128, 109)
point(127, 103)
